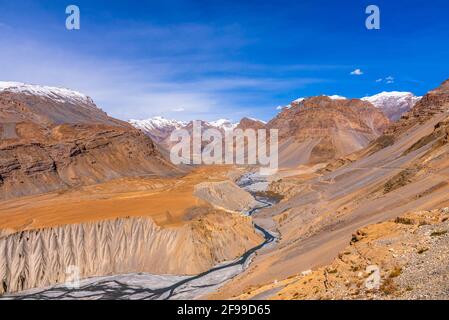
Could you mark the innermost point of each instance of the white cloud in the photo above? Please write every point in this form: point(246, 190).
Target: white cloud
point(140, 89)
point(389, 79)
point(357, 72)
point(279, 107)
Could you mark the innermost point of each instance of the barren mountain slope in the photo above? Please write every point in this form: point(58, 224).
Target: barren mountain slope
point(122, 226)
point(411, 173)
point(54, 138)
point(321, 129)
point(434, 102)
point(249, 123)
point(41, 257)
point(157, 128)
point(393, 104)
point(403, 258)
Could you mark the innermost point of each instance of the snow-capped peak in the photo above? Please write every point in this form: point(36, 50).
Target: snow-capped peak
point(54, 93)
point(336, 97)
point(258, 120)
point(299, 100)
point(158, 128)
point(393, 104)
point(387, 95)
point(157, 123)
point(224, 124)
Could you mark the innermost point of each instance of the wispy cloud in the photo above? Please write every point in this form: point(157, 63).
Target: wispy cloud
point(387, 80)
point(357, 72)
point(196, 84)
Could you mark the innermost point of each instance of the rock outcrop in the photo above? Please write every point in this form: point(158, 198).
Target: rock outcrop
point(404, 258)
point(225, 195)
point(55, 138)
point(320, 129)
point(433, 103)
point(393, 104)
point(39, 258)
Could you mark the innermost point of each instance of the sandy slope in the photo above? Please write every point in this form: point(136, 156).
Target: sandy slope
point(317, 223)
point(408, 255)
point(104, 229)
point(166, 201)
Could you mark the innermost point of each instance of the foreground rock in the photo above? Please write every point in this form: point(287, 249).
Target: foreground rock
point(404, 258)
point(39, 258)
point(225, 195)
point(403, 171)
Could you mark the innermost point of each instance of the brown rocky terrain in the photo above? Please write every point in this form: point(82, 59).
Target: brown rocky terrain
point(337, 184)
point(321, 211)
point(433, 103)
point(393, 104)
point(40, 258)
point(313, 130)
point(124, 226)
point(217, 194)
point(54, 142)
point(247, 123)
point(321, 129)
point(403, 258)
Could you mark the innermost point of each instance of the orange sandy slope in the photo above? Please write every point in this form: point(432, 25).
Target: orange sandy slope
point(166, 201)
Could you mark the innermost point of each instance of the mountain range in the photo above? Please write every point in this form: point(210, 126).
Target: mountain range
point(309, 133)
point(78, 186)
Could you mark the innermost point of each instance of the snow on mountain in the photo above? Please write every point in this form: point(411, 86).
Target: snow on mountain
point(53, 93)
point(224, 124)
point(157, 123)
point(158, 128)
point(393, 104)
point(258, 120)
point(299, 100)
point(336, 97)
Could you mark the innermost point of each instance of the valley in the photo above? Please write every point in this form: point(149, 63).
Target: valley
point(139, 227)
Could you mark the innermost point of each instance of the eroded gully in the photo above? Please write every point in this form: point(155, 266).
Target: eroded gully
point(142, 286)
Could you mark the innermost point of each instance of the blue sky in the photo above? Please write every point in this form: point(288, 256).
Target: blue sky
point(213, 59)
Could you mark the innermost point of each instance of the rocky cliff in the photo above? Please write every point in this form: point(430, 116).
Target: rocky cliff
point(53, 138)
point(40, 258)
point(320, 129)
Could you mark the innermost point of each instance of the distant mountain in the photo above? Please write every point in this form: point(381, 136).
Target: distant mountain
point(393, 104)
point(250, 123)
point(55, 138)
point(158, 128)
point(320, 129)
point(311, 130)
point(435, 102)
point(222, 124)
